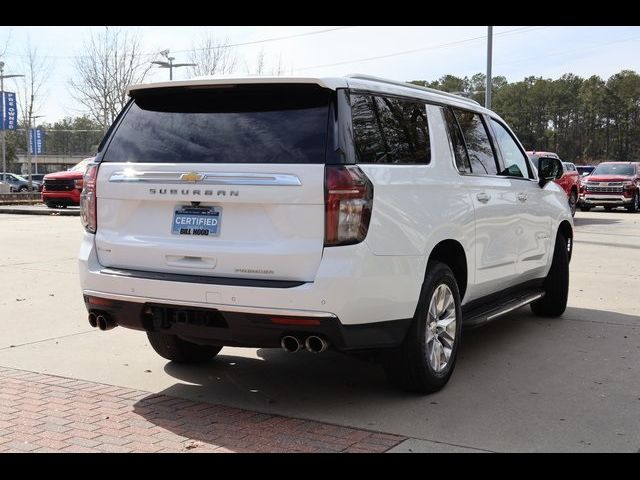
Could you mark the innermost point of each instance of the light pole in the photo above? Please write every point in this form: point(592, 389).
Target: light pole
point(170, 65)
point(4, 145)
point(487, 97)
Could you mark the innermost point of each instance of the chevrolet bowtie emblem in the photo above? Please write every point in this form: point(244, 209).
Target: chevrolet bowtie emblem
point(191, 177)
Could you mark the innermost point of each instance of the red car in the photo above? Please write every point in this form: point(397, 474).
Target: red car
point(570, 180)
point(62, 189)
point(610, 185)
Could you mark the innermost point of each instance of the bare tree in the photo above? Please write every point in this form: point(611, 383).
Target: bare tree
point(279, 68)
point(262, 67)
point(259, 65)
point(37, 70)
point(212, 57)
point(109, 63)
point(3, 49)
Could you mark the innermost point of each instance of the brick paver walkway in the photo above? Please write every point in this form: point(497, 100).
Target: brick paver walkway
point(46, 413)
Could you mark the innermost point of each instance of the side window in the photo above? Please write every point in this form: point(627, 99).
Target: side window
point(368, 141)
point(478, 144)
point(390, 130)
point(515, 162)
point(457, 141)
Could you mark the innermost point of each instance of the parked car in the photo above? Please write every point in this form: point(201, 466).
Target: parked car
point(611, 185)
point(18, 183)
point(585, 170)
point(62, 189)
point(569, 181)
point(352, 213)
point(38, 179)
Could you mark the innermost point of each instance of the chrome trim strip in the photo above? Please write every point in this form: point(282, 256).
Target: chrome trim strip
point(527, 301)
point(208, 178)
point(220, 306)
point(606, 198)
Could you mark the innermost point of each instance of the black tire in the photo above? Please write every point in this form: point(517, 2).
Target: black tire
point(635, 205)
point(585, 209)
point(50, 204)
point(177, 350)
point(407, 366)
point(23, 189)
point(608, 209)
point(573, 202)
point(556, 285)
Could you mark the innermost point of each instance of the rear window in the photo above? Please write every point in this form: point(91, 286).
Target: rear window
point(229, 124)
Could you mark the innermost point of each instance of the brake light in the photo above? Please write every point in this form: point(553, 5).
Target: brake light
point(348, 202)
point(88, 201)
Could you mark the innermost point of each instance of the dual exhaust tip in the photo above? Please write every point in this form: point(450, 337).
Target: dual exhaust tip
point(312, 343)
point(102, 321)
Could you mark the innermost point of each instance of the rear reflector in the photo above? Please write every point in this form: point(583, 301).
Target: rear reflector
point(105, 302)
point(294, 321)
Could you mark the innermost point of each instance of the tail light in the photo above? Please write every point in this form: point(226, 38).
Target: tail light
point(88, 202)
point(348, 201)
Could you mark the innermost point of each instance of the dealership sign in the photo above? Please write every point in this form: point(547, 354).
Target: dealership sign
point(9, 111)
point(36, 139)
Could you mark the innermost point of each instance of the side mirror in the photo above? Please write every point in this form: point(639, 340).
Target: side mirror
point(548, 169)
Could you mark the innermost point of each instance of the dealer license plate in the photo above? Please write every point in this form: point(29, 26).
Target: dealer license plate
point(196, 221)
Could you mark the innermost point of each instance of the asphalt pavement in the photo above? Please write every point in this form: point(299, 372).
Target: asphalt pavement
point(521, 383)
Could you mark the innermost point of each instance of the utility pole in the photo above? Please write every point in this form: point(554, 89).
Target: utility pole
point(4, 139)
point(169, 64)
point(487, 96)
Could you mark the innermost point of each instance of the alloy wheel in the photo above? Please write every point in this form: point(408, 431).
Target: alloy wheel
point(441, 328)
point(573, 202)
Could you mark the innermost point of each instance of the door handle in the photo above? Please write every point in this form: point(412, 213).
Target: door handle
point(483, 197)
point(522, 197)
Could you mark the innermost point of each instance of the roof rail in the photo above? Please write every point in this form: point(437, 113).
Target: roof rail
point(411, 85)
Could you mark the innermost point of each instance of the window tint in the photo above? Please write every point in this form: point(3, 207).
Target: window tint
point(614, 169)
point(242, 124)
point(457, 142)
point(390, 130)
point(478, 145)
point(368, 141)
point(515, 162)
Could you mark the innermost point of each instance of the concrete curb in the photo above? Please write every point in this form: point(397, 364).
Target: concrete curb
point(38, 211)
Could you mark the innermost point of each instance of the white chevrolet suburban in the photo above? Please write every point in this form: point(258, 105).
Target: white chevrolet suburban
point(355, 213)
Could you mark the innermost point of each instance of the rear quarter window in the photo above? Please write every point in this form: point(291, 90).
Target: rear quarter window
point(390, 130)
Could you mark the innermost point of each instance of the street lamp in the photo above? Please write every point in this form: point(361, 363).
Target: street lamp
point(4, 145)
point(170, 65)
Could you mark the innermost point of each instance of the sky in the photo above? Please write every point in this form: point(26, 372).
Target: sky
point(401, 53)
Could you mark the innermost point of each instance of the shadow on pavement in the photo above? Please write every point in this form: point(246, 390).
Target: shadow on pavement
point(277, 376)
point(582, 221)
point(503, 359)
